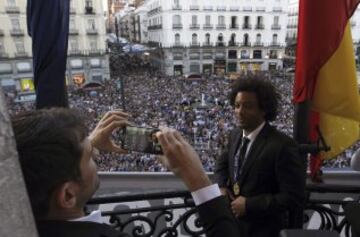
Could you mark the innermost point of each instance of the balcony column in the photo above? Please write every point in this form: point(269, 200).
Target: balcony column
point(15, 212)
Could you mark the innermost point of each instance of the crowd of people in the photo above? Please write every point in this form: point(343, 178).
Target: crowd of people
point(199, 109)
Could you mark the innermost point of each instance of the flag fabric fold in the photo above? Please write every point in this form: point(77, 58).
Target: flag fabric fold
point(326, 73)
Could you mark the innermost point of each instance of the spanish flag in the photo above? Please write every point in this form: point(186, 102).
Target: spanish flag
point(326, 73)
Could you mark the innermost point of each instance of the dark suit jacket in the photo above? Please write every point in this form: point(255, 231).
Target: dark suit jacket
point(215, 215)
point(352, 214)
point(272, 181)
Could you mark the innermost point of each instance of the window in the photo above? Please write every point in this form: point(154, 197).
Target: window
point(91, 24)
point(276, 20)
point(19, 44)
point(221, 20)
point(257, 54)
point(74, 46)
point(244, 54)
point(177, 39)
point(232, 54)
point(259, 20)
point(15, 23)
point(194, 39)
point(93, 44)
point(246, 39)
point(176, 19)
point(11, 3)
point(274, 38)
point(207, 20)
point(273, 54)
point(233, 21)
point(207, 38)
point(88, 3)
point(72, 23)
point(258, 38)
point(193, 19)
point(246, 20)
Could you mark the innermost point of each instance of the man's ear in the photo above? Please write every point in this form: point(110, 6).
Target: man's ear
point(65, 195)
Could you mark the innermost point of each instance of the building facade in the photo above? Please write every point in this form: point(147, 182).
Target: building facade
point(198, 36)
point(86, 62)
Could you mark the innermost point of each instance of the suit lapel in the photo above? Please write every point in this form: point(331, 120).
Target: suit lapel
point(255, 149)
point(232, 152)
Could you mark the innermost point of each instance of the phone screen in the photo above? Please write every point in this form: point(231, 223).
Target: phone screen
point(141, 139)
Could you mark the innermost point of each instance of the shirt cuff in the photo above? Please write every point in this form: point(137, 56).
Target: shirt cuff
point(206, 194)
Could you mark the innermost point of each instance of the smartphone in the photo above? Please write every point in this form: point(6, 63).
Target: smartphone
point(141, 139)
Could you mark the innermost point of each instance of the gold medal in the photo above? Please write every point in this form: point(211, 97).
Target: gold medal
point(236, 189)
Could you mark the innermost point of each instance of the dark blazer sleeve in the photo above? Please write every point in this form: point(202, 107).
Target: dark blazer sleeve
point(290, 172)
point(217, 218)
point(222, 163)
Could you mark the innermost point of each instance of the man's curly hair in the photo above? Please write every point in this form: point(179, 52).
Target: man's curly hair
point(267, 95)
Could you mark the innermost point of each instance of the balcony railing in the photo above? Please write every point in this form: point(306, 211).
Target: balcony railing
point(12, 9)
point(21, 54)
point(155, 27)
point(234, 26)
point(208, 26)
point(221, 27)
point(95, 52)
point(246, 26)
point(178, 57)
point(91, 31)
point(89, 10)
point(75, 52)
point(207, 44)
point(220, 44)
point(178, 45)
point(258, 44)
point(194, 45)
point(275, 44)
point(233, 44)
point(177, 26)
point(194, 26)
point(178, 213)
point(73, 31)
point(207, 56)
point(276, 27)
point(17, 32)
point(259, 27)
point(194, 7)
point(177, 7)
point(245, 44)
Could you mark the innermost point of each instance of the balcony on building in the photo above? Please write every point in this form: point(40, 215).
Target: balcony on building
point(21, 54)
point(275, 44)
point(89, 10)
point(194, 26)
point(72, 11)
point(91, 31)
point(177, 7)
point(12, 9)
point(208, 26)
point(246, 26)
point(220, 44)
point(207, 56)
point(194, 7)
point(73, 31)
point(221, 27)
point(177, 57)
point(194, 45)
point(4, 55)
point(177, 26)
point(96, 52)
point(276, 27)
point(207, 8)
point(194, 56)
point(178, 45)
point(207, 44)
point(17, 32)
point(234, 26)
point(233, 44)
point(234, 9)
point(258, 44)
point(259, 27)
point(153, 27)
point(75, 52)
point(245, 44)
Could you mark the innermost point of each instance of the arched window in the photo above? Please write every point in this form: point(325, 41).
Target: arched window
point(177, 39)
point(274, 38)
point(194, 39)
point(246, 39)
point(258, 38)
point(207, 39)
point(176, 19)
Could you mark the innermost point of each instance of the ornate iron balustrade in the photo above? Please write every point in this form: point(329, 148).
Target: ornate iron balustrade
point(165, 219)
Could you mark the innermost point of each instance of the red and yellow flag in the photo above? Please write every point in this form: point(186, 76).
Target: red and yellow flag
point(326, 73)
